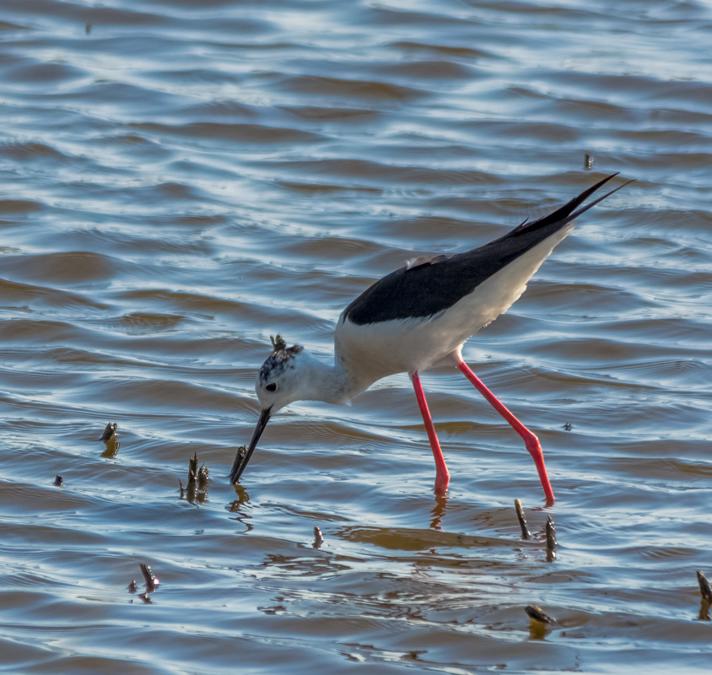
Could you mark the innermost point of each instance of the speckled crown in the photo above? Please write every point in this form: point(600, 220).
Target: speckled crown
point(280, 357)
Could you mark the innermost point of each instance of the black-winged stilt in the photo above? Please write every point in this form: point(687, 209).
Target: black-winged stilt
point(414, 317)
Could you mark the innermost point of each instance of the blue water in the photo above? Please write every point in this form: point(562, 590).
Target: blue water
point(182, 180)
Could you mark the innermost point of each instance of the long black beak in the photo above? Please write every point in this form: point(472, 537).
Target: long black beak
point(243, 455)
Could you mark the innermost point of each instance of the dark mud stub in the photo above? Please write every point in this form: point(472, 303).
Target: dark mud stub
point(521, 518)
point(182, 180)
point(110, 437)
point(551, 542)
point(538, 614)
point(109, 431)
point(196, 488)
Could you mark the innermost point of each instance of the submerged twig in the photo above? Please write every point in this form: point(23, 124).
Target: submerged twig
point(550, 539)
point(706, 593)
point(110, 436)
point(203, 479)
point(536, 613)
point(152, 581)
point(526, 534)
point(239, 463)
point(318, 538)
point(109, 431)
point(705, 588)
point(192, 469)
point(197, 489)
point(278, 343)
point(539, 621)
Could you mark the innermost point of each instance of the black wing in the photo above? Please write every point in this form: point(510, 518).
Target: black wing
point(431, 286)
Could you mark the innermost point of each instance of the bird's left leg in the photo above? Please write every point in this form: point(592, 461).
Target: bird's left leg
point(529, 438)
point(442, 475)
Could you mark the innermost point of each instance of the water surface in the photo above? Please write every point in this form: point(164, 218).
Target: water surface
point(181, 180)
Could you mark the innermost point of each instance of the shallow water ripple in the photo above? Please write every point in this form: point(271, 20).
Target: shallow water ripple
point(181, 180)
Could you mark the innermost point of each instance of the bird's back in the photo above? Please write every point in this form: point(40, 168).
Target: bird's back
point(430, 306)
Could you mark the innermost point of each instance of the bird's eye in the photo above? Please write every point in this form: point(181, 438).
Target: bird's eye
point(271, 387)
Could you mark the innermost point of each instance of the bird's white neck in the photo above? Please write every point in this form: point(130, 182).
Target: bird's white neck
point(330, 382)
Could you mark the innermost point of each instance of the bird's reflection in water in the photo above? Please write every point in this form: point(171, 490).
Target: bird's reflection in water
point(236, 506)
point(438, 511)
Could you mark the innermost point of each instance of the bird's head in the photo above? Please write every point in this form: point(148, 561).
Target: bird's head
point(281, 376)
point(280, 381)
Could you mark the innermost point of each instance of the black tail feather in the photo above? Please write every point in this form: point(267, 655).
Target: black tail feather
point(568, 211)
point(583, 209)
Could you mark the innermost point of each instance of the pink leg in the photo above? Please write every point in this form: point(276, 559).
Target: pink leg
point(530, 440)
point(442, 475)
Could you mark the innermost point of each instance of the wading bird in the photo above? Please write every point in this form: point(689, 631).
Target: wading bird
point(413, 318)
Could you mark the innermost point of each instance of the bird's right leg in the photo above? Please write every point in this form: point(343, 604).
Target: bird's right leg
point(442, 475)
point(530, 440)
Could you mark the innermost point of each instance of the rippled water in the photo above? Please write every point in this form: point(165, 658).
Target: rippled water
point(180, 180)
